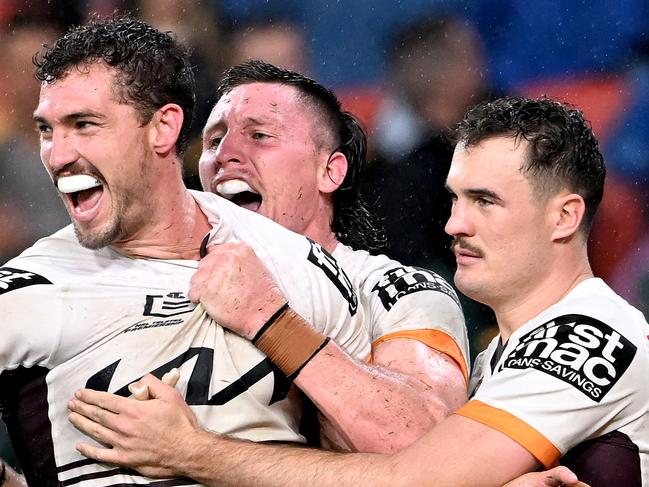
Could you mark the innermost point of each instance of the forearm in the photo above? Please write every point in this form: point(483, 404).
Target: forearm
point(241, 463)
point(374, 409)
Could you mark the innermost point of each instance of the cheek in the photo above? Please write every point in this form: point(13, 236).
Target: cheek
point(206, 170)
point(45, 156)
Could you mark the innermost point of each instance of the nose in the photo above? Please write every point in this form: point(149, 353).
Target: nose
point(228, 151)
point(59, 151)
point(459, 223)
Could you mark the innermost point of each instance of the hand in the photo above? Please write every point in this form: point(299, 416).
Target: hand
point(12, 478)
point(150, 436)
point(235, 288)
point(555, 477)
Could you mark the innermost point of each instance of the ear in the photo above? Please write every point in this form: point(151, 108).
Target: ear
point(567, 214)
point(165, 128)
point(332, 173)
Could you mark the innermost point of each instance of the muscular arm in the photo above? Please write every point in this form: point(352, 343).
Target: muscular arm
point(385, 407)
point(380, 408)
point(457, 452)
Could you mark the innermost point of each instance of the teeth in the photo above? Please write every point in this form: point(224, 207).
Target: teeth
point(78, 182)
point(232, 187)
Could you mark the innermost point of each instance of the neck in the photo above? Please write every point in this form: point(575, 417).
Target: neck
point(322, 235)
point(175, 229)
point(319, 228)
point(517, 310)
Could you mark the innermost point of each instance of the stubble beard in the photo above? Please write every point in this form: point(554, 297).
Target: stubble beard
point(116, 229)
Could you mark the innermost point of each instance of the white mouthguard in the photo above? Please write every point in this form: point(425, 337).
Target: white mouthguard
point(77, 182)
point(229, 188)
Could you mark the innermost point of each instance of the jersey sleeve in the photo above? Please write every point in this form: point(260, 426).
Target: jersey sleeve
point(561, 383)
point(414, 303)
point(28, 326)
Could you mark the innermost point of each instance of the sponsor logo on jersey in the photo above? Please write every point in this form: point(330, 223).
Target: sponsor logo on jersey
point(329, 265)
point(12, 279)
point(199, 381)
point(171, 304)
point(580, 350)
point(154, 324)
point(401, 281)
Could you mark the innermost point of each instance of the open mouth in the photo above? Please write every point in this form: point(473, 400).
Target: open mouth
point(83, 193)
point(240, 193)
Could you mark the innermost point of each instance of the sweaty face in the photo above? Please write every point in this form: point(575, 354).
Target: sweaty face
point(501, 232)
point(84, 131)
point(259, 152)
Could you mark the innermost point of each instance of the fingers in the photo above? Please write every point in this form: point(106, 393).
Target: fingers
point(150, 387)
point(562, 474)
point(103, 400)
point(105, 455)
point(171, 378)
point(93, 429)
point(96, 406)
point(140, 390)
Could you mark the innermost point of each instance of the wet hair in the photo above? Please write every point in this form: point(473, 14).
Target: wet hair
point(562, 154)
point(353, 222)
point(153, 69)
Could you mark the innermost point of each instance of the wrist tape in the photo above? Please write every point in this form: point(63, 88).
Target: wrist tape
point(288, 341)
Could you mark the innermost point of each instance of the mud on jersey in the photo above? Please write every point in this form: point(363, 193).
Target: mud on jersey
point(406, 302)
point(576, 372)
point(73, 317)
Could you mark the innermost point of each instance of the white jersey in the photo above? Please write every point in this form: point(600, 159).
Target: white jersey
point(576, 372)
point(406, 302)
point(74, 317)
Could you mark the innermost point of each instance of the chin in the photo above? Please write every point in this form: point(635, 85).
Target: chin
point(96, 239)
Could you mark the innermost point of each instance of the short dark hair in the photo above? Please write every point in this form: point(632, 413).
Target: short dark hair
point(353, 222)
point(153, 68)
point(563, 152)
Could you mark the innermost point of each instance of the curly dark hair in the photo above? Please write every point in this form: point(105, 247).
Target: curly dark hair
point(353, 222)
point(152, 68)
point(563, 153)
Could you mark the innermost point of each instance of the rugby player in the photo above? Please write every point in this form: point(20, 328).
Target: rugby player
point(105, 301)
point(567, 369)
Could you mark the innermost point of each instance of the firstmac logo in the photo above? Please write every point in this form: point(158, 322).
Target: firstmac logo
point(580, 350)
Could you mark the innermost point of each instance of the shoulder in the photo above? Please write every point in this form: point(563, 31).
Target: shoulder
point(390, 280)
point(56, 258)
point(589, 340)
point(592, 305)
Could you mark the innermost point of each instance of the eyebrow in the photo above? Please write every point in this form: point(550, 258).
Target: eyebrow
point(476, 192)
point(71, 117)
point(247, 121)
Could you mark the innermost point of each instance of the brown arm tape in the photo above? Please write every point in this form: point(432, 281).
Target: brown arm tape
point(289, 342)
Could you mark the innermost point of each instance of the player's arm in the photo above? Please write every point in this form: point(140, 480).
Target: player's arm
point(555, 477)
point(9, 477)
point(386, 406)
point(459, 451)
point(379, 409)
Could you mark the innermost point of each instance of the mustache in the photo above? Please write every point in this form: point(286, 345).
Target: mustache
point(76, 168)
point(463, 244)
